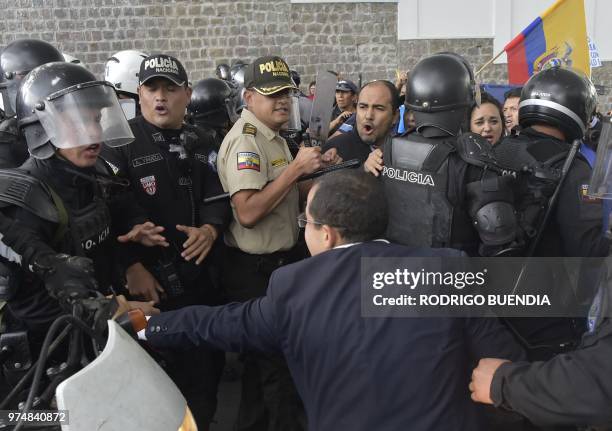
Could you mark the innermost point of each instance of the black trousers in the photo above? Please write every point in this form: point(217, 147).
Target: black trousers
point(269, 400)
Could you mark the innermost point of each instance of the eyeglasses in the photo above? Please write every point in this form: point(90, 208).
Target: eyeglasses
point(303, 221)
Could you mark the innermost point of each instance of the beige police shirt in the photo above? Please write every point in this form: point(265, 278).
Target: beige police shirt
point(251, 156)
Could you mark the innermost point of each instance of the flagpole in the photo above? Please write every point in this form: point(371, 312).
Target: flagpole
point(490, 61)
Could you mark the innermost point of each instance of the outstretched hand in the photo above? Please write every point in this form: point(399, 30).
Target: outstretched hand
point(146, 234)
point(199, 241)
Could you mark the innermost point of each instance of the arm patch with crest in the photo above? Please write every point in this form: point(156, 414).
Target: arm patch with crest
point(248, 160)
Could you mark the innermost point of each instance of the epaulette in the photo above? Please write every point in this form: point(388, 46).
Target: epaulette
point(249, 129)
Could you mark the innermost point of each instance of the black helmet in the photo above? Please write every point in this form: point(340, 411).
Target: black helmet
point(62, 105)
point(559, 97)
point(223, 72)
point(237, 73)
point(213, 101)
point(16, 60)
point(439, 90)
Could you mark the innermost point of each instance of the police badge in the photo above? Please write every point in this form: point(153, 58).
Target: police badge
point(149, 185)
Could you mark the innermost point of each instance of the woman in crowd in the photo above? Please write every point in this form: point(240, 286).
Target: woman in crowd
point(487, 119)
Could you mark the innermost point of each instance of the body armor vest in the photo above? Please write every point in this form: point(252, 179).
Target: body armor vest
point(415, 176)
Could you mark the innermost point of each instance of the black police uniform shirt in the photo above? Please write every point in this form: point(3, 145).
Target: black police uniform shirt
point(349, 146)
point(90, 232)
point(170, 184)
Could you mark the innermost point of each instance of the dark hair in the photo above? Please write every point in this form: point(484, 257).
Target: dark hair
point(353, 202)
point(312, 83)
point(513, 92)
point(487, 98)
point(393, 93)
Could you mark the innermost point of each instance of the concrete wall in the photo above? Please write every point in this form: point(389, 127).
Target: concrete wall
point(346, 37)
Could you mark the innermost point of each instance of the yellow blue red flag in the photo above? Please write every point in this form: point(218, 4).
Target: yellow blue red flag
point(557, 37)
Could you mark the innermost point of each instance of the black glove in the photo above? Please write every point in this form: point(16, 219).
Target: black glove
point(66, 277)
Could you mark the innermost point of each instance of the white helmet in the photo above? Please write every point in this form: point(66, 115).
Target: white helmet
point(122, 70)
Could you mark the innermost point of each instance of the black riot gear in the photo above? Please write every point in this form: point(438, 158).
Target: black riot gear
point(559, 97)
point(213, 103)
point(445, 191)
point(439, 90)
point(62, 105)
point(19, 58)
point(222, 71)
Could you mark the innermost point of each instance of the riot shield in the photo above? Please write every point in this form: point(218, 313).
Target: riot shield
point(322, 107)
point(601, 180)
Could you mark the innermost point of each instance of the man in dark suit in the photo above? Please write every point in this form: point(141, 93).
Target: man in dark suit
point(353, 373)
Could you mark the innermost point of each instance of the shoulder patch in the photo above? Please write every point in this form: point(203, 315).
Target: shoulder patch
point(249, 129)
point(248, 160)
point(584, 190)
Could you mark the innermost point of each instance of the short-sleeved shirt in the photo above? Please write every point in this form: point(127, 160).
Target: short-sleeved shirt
point(251, 156)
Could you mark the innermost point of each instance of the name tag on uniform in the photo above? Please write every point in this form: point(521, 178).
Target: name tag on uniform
point(248, 160)
point(152, 158)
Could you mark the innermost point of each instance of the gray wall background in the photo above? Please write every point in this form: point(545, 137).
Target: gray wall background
point(346, 37)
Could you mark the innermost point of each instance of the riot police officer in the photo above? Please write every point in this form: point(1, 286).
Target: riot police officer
point(16, 60)
point(213, 107)
point(121, 70)
point(65, 211)
point(435, 182)
point(555, 212)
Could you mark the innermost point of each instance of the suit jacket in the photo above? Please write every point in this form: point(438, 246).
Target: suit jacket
point(353, 373)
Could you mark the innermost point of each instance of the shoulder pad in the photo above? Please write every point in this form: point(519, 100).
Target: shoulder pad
point(9, 129)
point(249, 129)
point(475, 150)
point(23, 190)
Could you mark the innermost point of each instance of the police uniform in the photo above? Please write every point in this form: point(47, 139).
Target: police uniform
point(251, 156)
point(171, 172)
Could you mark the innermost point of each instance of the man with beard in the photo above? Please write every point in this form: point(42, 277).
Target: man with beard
point(377, 110)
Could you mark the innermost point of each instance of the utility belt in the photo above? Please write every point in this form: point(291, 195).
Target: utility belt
point(265, 264)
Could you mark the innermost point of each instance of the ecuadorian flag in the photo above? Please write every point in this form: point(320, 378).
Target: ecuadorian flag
point(557, 37)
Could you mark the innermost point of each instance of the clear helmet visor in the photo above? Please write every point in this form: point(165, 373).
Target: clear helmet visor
point(128, 106)
point(601, 180)
point(84, 116)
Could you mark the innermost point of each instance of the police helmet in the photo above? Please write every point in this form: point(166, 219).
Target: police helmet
point(440, 82)
point(439, 90)
point(237, 73)
point(121, 70)
point(223, 72)
point(559, 97)
point(62, 105)
point(16, 60)
point(213, 101)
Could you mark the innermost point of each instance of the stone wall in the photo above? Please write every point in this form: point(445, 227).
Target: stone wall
point(350, 38)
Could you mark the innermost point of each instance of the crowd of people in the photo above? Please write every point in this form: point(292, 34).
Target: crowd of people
point(197, 202)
